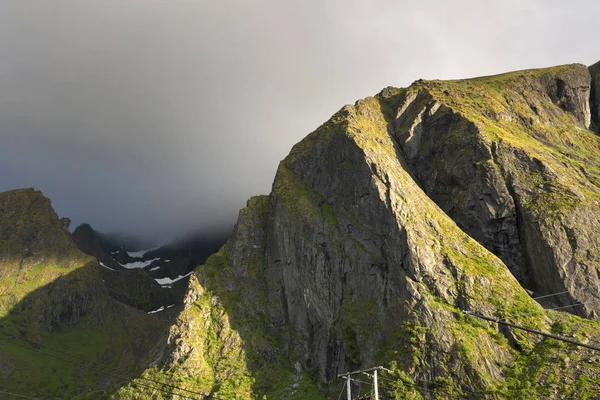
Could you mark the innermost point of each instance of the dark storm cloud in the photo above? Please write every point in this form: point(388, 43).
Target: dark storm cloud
point(165, 116)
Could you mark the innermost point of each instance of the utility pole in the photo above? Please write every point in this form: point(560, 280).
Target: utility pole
point(347, 376)
point(348, 388)
point(375, 385)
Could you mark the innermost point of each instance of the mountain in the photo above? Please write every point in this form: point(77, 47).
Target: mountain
point(386, 231)
point(58, 323)
point(151, 279)
point(388, 222)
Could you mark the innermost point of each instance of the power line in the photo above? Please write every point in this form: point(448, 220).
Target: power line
point(546, 309)
point(428, 390)
point(22, 396)
point(33, 342)
point(537, 332)
point(98, 372)
point(342, 391)
point(559, 293)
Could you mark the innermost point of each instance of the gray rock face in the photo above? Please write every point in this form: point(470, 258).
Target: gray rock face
point(354, 255)
point(595, 96)
point(397, 214)
point(460, 175)
point(525, 204)
point(570, 89)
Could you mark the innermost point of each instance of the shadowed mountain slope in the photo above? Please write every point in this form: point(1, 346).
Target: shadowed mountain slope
point(56, 318)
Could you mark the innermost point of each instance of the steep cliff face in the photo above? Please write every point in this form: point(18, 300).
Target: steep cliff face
point(56, 318)
point(509, 158)
point(388, 221)
point(595, 96)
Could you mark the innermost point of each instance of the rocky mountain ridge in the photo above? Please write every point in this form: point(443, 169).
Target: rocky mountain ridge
point(382, 228)
point(389, 221)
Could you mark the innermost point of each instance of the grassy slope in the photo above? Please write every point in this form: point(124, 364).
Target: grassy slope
point(52, 294)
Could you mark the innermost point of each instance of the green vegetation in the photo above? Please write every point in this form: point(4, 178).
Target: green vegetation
point(225, 345)
point(232, 339)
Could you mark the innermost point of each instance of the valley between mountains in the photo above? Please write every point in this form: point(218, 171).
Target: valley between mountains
point(383, 226)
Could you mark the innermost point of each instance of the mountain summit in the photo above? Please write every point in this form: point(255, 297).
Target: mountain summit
point(391, 220)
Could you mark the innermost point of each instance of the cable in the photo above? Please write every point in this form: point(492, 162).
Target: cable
point(422, 388)
point(542, 333)
point(559, 293)
point(131, 377)
point(408, 384)
point(102, 373)
point(22, 396)
point(536, 312)
point(105, 373)
point(547, 309)
point(342, 392)
point(550, 295)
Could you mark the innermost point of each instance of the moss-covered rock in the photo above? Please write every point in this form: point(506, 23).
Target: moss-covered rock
point(361, 254)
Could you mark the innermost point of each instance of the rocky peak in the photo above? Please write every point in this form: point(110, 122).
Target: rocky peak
point(30, 228)
point(387, 222)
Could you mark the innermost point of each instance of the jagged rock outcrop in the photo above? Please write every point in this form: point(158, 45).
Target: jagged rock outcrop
point(499, 155)
point(383, 225)
point(30, 228)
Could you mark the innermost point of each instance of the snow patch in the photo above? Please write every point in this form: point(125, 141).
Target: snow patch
point(106, 266)
point(139, 264)
point(154, 268)
point(172, 305)
point(169, 281)
point(162, 308)
point(167, 260)
point(138, 254)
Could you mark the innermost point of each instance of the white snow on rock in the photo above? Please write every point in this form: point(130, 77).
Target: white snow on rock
point(137, 254)
point(106, 266)
point(154, 268)
point(169, 281)
point(167, 260)
point(172, 305)
point(139, 264)
point(162, 308)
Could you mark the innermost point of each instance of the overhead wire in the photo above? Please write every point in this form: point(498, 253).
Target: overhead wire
point(98, 372)
point(22, 396)
point(131, 377)
point(418, 387)
point(33, 342)
point(551, 308)
point(546, 309)
point(560, 293)
point(342, 391)
point(531, 330)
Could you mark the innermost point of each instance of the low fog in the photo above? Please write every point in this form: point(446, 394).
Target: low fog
point(163, 117)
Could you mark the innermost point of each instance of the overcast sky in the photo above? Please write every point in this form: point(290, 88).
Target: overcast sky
point(160, 117)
